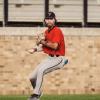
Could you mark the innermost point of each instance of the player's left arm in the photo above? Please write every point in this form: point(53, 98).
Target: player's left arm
point(52, 45)
point(55, 43)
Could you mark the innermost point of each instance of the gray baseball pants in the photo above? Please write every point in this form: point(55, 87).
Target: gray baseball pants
point(48, 65)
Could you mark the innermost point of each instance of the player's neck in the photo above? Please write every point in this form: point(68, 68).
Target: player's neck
point(50, 28)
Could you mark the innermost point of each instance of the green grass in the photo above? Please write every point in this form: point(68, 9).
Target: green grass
point(55, 97)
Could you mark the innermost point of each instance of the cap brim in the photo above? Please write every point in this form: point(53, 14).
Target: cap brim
point(48, 17)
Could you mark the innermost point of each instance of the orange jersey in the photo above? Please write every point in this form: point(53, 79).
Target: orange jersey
point(55, 35)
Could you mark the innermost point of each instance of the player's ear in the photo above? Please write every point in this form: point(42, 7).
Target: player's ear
point(55, 21)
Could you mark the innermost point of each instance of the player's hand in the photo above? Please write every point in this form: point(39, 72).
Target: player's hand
point(39, 41)
point(31, 51)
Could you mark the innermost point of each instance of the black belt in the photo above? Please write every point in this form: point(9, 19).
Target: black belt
point(51, 55)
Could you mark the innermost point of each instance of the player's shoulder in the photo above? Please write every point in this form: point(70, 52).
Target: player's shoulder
point(58, 30)
point(46, 30)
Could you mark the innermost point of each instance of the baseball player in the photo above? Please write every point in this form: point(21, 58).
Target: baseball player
point(54, 46)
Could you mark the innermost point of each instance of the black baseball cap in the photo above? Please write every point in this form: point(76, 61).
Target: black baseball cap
point(50, 15)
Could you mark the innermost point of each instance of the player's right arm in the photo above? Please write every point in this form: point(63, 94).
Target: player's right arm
point(35, 49)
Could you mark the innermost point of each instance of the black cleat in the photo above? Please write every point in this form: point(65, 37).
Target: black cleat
point(34, 97)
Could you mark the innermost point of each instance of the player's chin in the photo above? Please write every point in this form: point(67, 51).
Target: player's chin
point(49, 25)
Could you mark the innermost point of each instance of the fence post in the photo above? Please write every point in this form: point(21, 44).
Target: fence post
point(5, 12)
point(85, 12)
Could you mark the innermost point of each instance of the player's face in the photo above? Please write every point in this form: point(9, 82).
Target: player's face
point(50, 22)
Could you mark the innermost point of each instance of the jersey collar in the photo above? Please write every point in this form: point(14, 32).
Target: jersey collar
point(51, 28)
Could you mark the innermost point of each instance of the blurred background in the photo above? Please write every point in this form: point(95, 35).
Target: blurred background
point(21, 20)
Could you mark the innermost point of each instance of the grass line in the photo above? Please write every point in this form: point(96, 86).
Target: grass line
point(55, 97)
